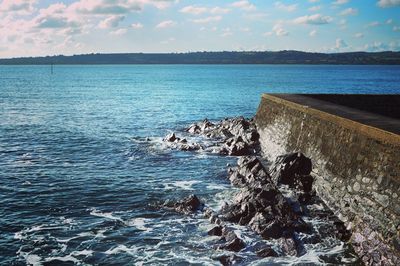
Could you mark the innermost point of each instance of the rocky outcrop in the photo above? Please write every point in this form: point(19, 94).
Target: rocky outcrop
point(238, 136)
point(186, 206)
point(293, 169)
point(273, 203)
point(181, 143)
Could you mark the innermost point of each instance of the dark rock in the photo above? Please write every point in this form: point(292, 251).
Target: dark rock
point(228, 260)
point(250, 172)
point(274, 230)
point(267, 252)
point(236, 245)
point(190, 147)
point(293, 169)
point(188, 205)
point(194, 129)
point(171, 138)
point(288, 246)
point(216, 231)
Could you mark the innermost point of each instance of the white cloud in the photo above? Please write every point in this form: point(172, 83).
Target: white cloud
point(219, 10)
point(389, 21)
point(116, 7)
point(315, 8)
point(197, 10)
point(137, 25)
point(288, 8)
point(316, 19)
point(388, 3)
point(313, 33)
point(111, 22)
point(349, 11)
point(119, 32)
point(165, 24)
point(376, 47)
point(396, 28)
point(359, 35)
point(340, 44)
point(207, 19)
point(194, 10)
point(19, 6)
point(244, 4)
point(279, 30)
point(313, 1)
point(340, 2)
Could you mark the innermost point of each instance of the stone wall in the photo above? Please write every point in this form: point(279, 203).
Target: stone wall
point(357, 170)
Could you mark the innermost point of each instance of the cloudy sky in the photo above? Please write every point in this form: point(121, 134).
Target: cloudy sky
point(46, 27)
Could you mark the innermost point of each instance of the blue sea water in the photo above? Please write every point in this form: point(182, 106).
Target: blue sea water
point(79, 183)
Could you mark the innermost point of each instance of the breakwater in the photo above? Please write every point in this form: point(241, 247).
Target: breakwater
point(355, 163)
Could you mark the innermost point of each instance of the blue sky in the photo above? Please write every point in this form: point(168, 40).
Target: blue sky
point(32, 27)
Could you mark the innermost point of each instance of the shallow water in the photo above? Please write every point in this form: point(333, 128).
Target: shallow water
point(79, 183)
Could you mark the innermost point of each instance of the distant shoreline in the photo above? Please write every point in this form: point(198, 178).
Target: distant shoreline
point(214, 58)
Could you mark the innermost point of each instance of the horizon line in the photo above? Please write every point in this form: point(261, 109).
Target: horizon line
point(193, 52)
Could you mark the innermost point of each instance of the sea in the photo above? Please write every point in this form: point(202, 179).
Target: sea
point(83, 169)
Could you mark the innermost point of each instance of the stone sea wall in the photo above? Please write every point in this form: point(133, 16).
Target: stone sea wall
point(356, 168)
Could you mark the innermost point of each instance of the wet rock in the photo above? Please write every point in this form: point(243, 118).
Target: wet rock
point(235, 244)
point(228, 260)
point(288, 246)
point(194, 129)
point(239, 136)
point(235, 147)
point(188, 205)
point(249, 172)
point(293, 169)
point(216, 231)
point(190, 147)
point(267, 252)
point(171, 138)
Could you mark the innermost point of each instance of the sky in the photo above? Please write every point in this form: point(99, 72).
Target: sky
point(45, 27)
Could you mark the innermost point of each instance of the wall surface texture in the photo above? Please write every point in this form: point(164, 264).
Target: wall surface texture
point(357, 170)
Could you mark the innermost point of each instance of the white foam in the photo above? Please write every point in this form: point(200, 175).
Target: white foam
point(120, 249)
point(185, 185)
point(64, 258)
point(34, 260)
point(108, 215)
point(140, 223)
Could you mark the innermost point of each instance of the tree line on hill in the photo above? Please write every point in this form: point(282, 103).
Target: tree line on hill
point(281, 57)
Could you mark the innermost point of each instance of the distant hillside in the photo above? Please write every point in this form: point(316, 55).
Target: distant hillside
point(282, 57)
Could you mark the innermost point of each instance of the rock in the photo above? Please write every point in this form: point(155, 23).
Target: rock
point(216, 231)
point(190, 147)
point(171, 138)
point(236, 245)
point(288, 246)
point(193, 129)
point(188, 205)
point(273, 230)
point(250, 172)
point(239, 136)
point(293, 169)
point(227, 260)
point(267, 252)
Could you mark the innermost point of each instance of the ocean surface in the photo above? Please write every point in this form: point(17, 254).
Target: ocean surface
point(80, 184)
